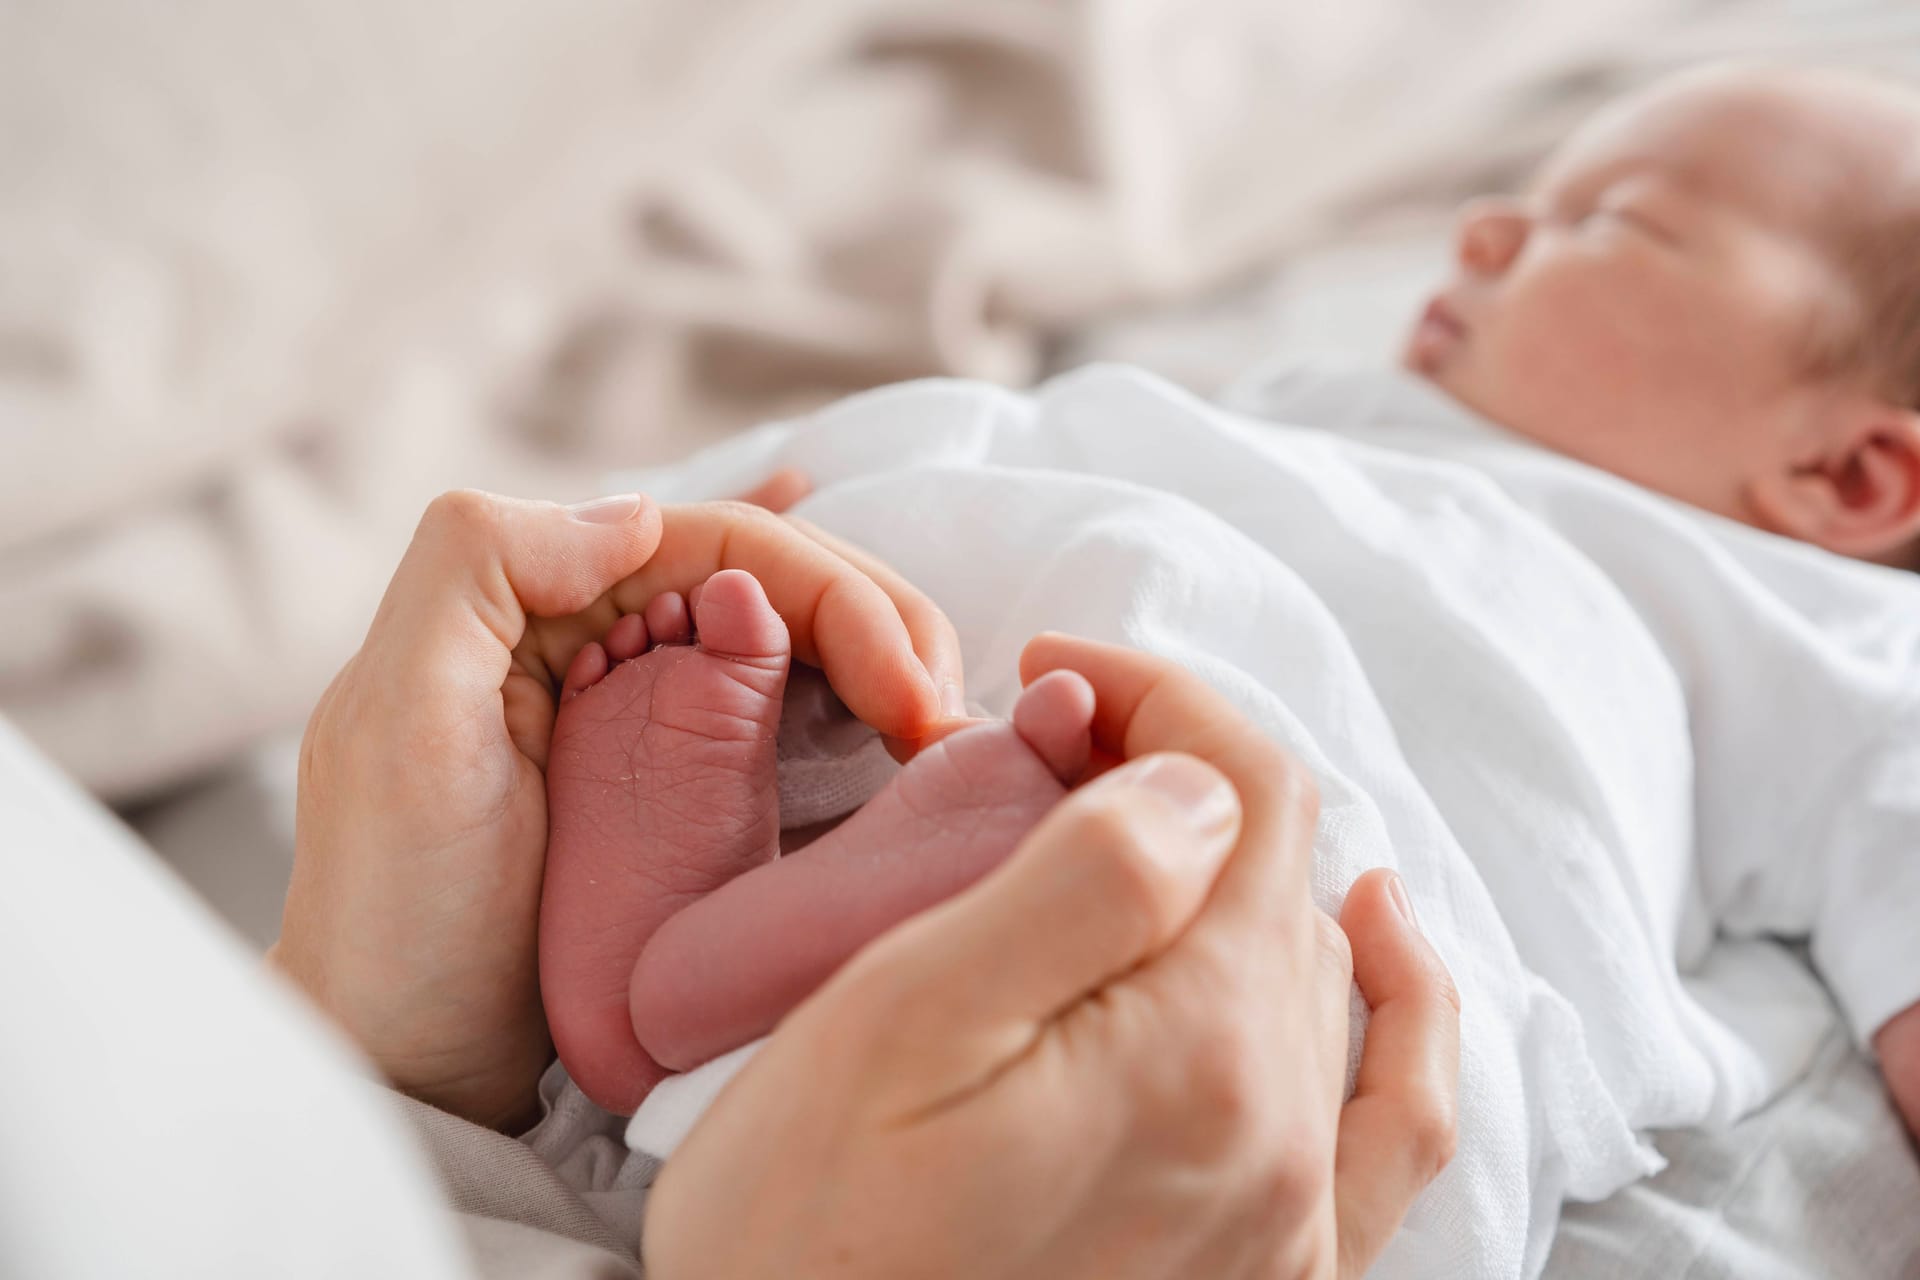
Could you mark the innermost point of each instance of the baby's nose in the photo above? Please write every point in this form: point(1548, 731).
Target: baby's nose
point(1492, 232)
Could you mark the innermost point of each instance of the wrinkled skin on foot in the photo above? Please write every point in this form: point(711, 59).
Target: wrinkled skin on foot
point(670, 930)
point(660, 788)
point(727, 968)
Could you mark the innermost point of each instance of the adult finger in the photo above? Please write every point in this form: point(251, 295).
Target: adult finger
point(1398, 1130)
point(479, 564)
point(1144, 703)
point(1333, 990)
point(1106, 881)
point(934, 639)
point(840, 620)
point(780, 490)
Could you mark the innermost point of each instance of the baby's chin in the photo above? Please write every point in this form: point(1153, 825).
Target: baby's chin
point(1449, 372)
point(1437, 366)
point(1416, 362)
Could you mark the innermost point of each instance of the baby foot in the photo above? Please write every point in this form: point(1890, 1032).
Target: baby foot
point(727, 968)
point(660, 788)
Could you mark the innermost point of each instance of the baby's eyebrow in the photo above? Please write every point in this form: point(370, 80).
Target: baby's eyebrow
point(1593, 184)
point(1550, 186)
point(1536, 187)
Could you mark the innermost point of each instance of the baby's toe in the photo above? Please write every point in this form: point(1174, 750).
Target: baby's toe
point(627, 638)
point(586, 670)
point(733, 618)
point(1054, 716)
point(667, 620)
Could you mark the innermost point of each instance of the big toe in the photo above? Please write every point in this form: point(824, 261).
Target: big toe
point(733, 619)
point(1054, 716)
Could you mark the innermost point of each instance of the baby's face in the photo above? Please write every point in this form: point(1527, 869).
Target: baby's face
point(1647, 305)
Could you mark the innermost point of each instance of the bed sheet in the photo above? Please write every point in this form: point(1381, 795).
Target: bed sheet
point(1819, 1185)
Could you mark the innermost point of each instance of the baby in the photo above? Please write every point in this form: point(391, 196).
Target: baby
point(1732, 325)
point(1736, 327)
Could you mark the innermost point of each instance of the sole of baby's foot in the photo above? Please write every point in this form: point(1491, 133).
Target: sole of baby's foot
point(729, 967)
point(661, 786)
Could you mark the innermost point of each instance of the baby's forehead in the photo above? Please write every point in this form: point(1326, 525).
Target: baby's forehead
point(1788, 149)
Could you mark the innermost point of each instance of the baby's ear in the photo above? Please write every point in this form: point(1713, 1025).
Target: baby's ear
point(1858, 492)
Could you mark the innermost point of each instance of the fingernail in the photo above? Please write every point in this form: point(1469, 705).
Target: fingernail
point(953, 703)
point(1205, 799)
point(1397, 890)
point(614, 510)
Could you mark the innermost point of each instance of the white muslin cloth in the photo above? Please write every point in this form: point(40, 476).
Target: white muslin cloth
point(1605, 740)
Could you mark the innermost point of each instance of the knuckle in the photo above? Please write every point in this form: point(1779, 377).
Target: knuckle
point(1114, 858)
point(738, 511)
point(1446, 990)
point(1294, 1179)
point(462, 509)
point(1222, 1095)
point(1433, 1134)
point(1428, 1126)
point(1294, 785)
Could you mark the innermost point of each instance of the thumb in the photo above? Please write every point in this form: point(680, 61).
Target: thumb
point(1105, 882)
point(478, 565)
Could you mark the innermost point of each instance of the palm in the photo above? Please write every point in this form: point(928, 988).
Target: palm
point(449, 888)
point(481, 916)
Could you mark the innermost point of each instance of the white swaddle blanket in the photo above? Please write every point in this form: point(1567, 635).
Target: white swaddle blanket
point(1483, 707)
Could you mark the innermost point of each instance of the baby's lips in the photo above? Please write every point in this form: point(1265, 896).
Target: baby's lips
point(1443, 315)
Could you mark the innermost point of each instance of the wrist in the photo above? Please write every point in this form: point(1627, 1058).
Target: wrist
point(502, 1096)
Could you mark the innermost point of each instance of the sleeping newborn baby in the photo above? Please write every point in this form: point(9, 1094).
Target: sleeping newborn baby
point(1569, 618)
point(1714, 291)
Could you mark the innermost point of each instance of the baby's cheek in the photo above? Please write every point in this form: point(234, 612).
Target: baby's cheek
point(1587, 321)
point(1565, 359)
point(1631, 337)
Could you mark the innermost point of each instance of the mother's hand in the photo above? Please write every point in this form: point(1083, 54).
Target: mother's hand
point(1121, 1054)
point(422, 821)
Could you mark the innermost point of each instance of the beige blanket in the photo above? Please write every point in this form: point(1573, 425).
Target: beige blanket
point(272, 275)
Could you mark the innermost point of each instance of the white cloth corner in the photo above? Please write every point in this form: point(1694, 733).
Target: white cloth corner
point(668, 1115)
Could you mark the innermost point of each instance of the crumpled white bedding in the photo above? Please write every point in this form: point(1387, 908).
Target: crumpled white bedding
point(1452, 673)
point(1819, 1184)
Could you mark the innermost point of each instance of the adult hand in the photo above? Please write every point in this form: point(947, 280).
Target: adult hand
point(422, 825)
point(1121, 1054)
